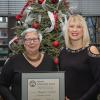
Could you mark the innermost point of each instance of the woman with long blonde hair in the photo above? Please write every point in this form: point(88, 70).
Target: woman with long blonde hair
point(80, 60)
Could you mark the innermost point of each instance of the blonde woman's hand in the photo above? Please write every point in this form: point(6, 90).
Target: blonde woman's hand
point(66, 98)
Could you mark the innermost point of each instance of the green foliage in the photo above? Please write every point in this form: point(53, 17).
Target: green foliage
point(43, 15)
point(47, 43)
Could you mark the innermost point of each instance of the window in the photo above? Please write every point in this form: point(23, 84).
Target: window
point(3, 19)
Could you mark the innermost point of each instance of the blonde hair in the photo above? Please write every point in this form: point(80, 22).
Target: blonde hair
point(86, 37)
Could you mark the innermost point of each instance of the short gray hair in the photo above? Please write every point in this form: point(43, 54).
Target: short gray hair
point(31, 30)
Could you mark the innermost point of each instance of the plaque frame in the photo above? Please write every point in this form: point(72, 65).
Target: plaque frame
point(43, 75)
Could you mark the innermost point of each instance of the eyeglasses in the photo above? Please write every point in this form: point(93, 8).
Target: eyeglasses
point(29, 40)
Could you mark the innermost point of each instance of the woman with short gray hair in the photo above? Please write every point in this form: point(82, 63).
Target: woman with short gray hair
point(31, 60)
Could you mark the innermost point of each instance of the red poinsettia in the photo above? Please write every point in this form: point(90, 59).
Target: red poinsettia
point(18, 17)
point(40, 1)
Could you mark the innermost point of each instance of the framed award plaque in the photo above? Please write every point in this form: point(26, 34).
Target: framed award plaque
point(43, 86)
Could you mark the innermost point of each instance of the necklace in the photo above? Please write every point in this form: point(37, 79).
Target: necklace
point(32, 59)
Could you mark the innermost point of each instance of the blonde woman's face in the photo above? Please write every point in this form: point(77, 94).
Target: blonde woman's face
point(75, 30)
point(31, 42)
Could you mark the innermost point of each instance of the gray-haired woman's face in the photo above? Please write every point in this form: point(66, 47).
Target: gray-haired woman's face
point(31, 42)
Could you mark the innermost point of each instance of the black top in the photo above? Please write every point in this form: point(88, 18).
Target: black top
point(11, 74)
point(82, 73)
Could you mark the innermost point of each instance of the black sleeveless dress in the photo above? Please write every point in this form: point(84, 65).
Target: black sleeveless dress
point(82, 73)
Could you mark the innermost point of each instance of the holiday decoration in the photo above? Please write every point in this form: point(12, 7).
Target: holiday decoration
point(56, 60)
point(55, 44)
point(35, 25)
point(54, 1)
point(40, 1)
point(49, 17)
point(18, 17)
